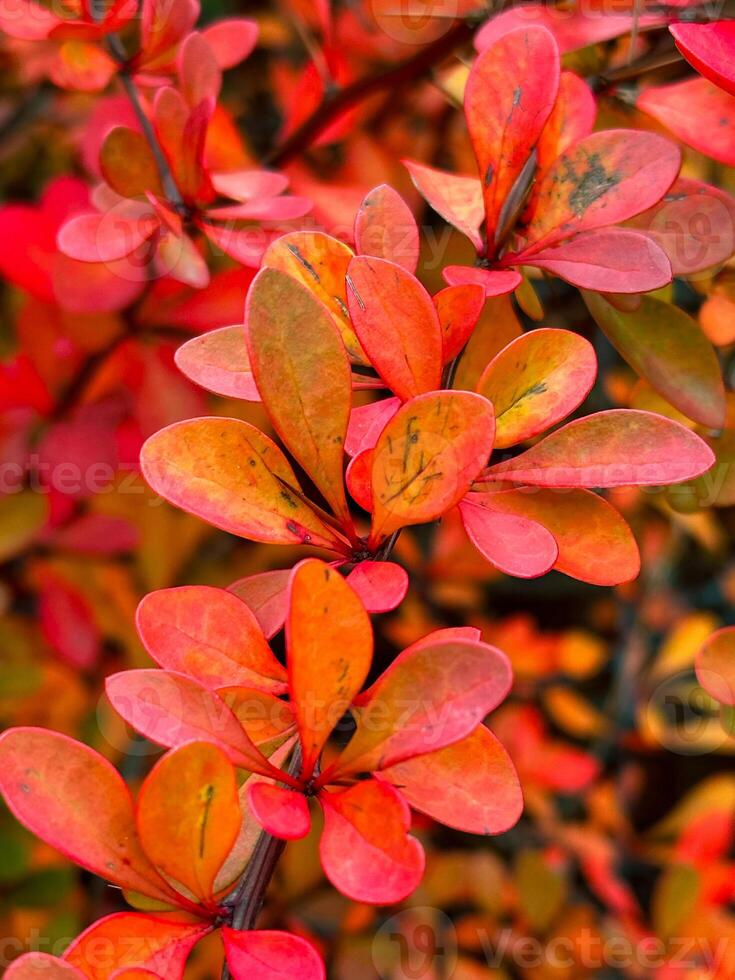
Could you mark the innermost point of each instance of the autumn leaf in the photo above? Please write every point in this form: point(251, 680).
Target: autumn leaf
point(471, 785)
point(621, 447)
point(716, 665)
point(427, 457)
point(219, 361)
point(513, 543)
point(365, 848)
point(386, 228)
point(272, 955)
point(509, 96)
point(397, 325)
point(536, 381)
point(73, 798)
point(303, 376)
point(210, 635)
point(280, 811)
point(228, 473)
point(710, 49)
point(329, 644)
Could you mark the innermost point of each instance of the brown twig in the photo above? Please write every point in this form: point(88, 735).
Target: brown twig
point(247, 900)
point(338, 101)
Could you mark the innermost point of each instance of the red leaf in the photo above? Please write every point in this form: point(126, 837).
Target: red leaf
point(458, 199)
point(41, 966)
point(396, 324)
point(381, 585)
point(696, 112)
point(231, 40)
point(160, 943)
point(595, 543)
point(621, 447)
point(219, 362)
point(209, 635)
point(199, 75)
point(365, 847)
point(359, 479)
point(694, 224)
point(459, 308)
point(105, 237)
point(612, 260)
point(329, 643)
point(606, 178)
point(367, 422)
point(514, 544)
point(72, 798)
point(268, 955)
point(68, 622)
point(711, 49)
point(510, 93)
point(495, 282)
point(435, 693)
point(471, 785)
point(386, 228)
point(171, 709)
point(266, 595)
point(283, 813)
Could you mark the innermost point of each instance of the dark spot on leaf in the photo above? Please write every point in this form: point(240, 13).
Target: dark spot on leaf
point(591, 185)
point(304, 261)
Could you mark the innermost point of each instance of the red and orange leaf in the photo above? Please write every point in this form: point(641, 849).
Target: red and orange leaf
point(435, 693)
point(696, 112)
point(716, 665)
point(512, 543)
point(189, 816)
point(228, 473)
point(73, 798)
point(41, 966)
point(329, 642)
point(82, 65)
point(266, 594)
point(98, 237)
point(397, 325)
point(381, 585)
point(509, 96)
point(231, 40)
point(303, 376)
point(471, 785)
point(595, 543)
point(210, 635)
point(171, 709)
point(456, 198)
point(269, 955)
point(283, 813)
point(571, 119)
point(611, 260)
point(427, 457)
point(365, 848)
point(459, 308)
point(710, 48)
point(621, 447)
point(359, 479)
point(320, 263)
point(536, 381)
point(267, 719)
point(219, 361)
point(386, 228)
point(606, 178)
point(159, 943)
point(666, 346)
point(200, 77)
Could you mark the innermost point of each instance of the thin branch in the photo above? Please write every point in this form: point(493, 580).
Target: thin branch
point(248, 898)
point(339, 101)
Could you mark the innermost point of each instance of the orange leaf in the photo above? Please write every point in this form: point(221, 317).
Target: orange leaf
point(228, 473)
point(303, 376)
point(397, 325)
point(536, 381)
point(386, 228)
point(329, 641)
point(427, 457)
point(189, 816)
point(716, 665)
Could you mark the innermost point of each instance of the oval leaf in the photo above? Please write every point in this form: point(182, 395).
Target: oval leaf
point(282, 812)
point(269, 955)
point(514, 544)
point(536, 381)
point(386, 228)
point(219, 362)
